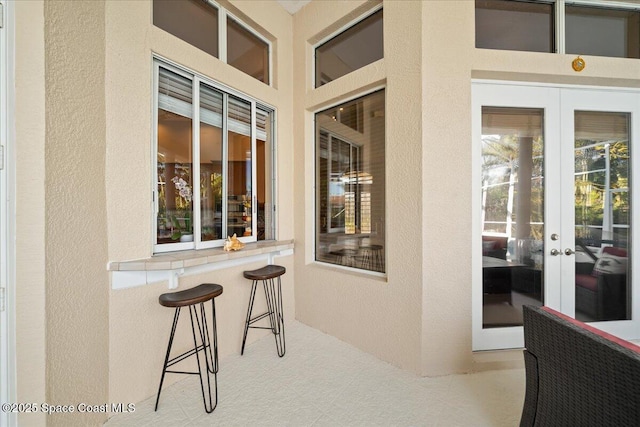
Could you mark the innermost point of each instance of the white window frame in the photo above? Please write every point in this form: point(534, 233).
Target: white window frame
point(560, 15)
point(197, 79)
point(222, 36)
point(316, 134)
point(223, 14)
point(8, 380)
point(336, 33)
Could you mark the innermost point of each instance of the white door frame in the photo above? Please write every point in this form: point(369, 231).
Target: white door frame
point(7, 214)
point(546, 98)
point(557, 216)
point(601, 100)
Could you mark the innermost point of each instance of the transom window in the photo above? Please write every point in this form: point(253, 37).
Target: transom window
point(211, 28)
point(590, 27)
point(359, 45)
point(213, 162)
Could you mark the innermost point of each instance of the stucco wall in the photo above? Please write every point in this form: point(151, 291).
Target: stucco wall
point(380, 316)
point(76, 284)
point(30, 206)
point(446, 173)
point(139, 327)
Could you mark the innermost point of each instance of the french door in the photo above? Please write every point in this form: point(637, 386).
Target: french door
point(554, 208)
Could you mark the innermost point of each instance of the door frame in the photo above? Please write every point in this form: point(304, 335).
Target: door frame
point(548, 97)
point(602, 100)
point(519, 96)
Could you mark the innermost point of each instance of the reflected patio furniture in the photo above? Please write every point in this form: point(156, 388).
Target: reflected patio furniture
point(601, 290)
point(371, 257)
point(498, 275)
point(345, 257)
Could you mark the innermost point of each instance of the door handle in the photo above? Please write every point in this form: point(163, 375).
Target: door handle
point(555, 252)
point(569, 251)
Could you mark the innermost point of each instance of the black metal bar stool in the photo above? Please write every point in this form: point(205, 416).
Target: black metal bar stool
point(191, 298)
point(273, 296)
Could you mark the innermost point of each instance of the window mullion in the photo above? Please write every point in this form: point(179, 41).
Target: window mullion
point(560, 26)
point(225, 164)
point(329, 173)
point(222, 35)
point(254, 174)
point(154, 156)
point(195, 167)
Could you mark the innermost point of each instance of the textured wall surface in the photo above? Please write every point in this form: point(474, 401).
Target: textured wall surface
point(30, 206)
point(446, 174)
point(382, 317)
point(77, 285)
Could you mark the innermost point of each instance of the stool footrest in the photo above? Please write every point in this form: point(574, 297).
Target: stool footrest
point(183, 356)
point(183, 372)
point(260, 317)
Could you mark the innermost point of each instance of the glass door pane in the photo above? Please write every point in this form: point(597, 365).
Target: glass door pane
point(602, 215)
point(240, 193)
point(210, 163)
point(512, 213)
point(174, 159)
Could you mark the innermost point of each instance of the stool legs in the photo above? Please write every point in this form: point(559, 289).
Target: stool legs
point(249, 320)
point(273, 295)
point(274, 304)
point(210, 354)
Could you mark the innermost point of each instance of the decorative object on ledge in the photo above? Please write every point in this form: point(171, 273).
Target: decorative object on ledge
point(578, 64)
point(233, 244)
point(182, 222)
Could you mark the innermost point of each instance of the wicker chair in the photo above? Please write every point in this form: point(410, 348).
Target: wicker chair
point(577, 375)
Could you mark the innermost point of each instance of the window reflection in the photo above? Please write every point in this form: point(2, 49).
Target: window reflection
point(350, 177)
point(512, 213)
point(359, 45)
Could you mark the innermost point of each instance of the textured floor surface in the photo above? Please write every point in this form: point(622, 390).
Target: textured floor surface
point(322, 381)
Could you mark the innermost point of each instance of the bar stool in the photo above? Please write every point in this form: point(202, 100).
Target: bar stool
point(190, 298)
point(273, 296)
point(372, 257)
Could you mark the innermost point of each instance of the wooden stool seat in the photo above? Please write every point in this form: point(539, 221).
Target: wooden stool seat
point(200, 293)
point(265, 273)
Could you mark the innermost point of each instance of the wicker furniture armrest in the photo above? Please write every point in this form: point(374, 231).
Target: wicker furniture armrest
point(576, 376)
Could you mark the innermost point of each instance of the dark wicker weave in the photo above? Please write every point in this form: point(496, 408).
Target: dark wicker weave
point(576, 377)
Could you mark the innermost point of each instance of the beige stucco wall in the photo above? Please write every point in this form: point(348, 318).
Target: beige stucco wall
point(76, 284)
point(380, 316)
point(30, 206)
point(446, 174)
point(139, 327)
